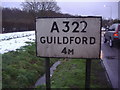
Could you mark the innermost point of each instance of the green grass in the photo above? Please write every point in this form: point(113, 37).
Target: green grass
point(71, 74)
point(22, 68)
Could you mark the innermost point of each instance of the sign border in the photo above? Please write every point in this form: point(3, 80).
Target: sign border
point(69, 17)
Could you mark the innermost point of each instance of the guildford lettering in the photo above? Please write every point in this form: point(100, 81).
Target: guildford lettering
point(67, 40)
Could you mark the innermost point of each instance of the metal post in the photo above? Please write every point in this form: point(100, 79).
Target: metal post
point(47, 64)
point(88, 71)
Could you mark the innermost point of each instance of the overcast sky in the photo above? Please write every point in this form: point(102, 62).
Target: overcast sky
point(104, 9)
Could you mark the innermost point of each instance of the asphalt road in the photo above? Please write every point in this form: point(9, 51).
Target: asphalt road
point(111, 61)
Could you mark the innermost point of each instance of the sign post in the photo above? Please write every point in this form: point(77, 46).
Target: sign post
point(47, 63)
point(73, 37)
point(88, 71)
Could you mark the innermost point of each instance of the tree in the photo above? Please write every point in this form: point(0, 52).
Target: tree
point(47, 5)
point(14, 20)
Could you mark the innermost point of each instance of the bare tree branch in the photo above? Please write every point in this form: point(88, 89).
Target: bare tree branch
point(38, 6)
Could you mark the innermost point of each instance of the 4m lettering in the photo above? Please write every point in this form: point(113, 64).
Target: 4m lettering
point(67, 51)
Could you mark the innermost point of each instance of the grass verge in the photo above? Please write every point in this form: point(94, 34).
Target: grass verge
point(21, 68)
point(98, 76)
point(71, 74)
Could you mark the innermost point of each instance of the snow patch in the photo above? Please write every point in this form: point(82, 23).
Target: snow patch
point(13, 41)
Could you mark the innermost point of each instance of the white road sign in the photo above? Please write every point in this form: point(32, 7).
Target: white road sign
point(68, 37)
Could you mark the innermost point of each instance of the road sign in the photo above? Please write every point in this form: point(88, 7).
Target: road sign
point(68, 37)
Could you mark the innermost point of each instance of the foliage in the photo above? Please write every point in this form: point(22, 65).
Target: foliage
point(116, 21)
point(14, 20)
point(107, 23)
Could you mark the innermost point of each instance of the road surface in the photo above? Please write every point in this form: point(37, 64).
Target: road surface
point(111, 61)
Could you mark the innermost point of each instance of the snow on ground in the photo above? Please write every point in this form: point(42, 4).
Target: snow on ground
point(13, 41)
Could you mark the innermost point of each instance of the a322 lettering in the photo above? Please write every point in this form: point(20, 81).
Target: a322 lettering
point(67, 25)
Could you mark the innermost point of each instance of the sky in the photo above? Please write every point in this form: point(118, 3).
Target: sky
point(106, 9)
